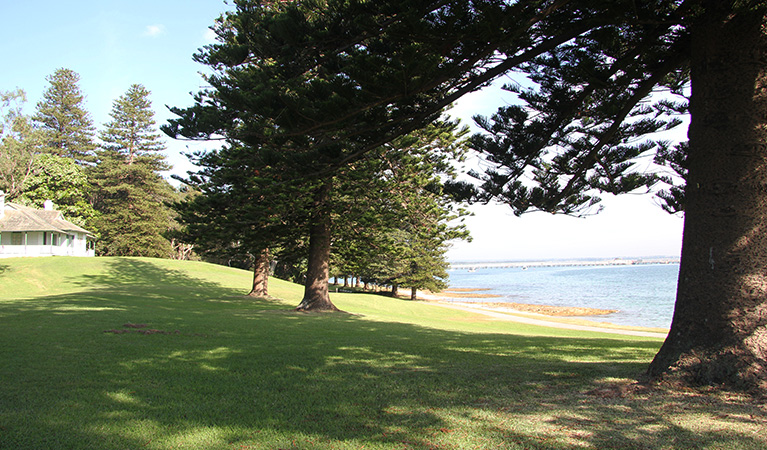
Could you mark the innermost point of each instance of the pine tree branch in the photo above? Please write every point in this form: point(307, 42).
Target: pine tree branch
point(644, 89)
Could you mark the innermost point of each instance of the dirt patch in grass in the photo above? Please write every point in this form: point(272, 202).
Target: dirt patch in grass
point(139, 328)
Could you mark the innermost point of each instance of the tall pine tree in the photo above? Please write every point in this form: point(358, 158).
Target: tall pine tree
point(67, 127)
point(271, 77)
point(130, 192)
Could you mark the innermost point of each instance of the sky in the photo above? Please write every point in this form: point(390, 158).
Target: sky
point(113, 44)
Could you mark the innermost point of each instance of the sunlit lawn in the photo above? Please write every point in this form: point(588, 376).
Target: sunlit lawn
point(118, 353)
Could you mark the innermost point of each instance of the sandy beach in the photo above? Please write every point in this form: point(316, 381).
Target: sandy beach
point(543, 315)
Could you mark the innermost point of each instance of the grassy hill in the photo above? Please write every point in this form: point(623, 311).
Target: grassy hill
point(129, 353)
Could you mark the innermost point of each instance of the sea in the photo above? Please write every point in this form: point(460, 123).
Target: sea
point(643, 294)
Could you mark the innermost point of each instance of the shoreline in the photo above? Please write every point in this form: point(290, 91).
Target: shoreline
point(564, 263)
point(455, 296)
point(542, 315)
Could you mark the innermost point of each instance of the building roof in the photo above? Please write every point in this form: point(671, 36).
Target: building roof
point(18, 218)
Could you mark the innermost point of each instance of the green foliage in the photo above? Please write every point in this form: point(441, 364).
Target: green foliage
point(578, 132)
point(130, 194)
point(394, 219)
point(64, 182)
point(365, 73)
point(239, 207)
point(292, 76)
point(19, 141)
point(66, 126)
point(132, 216)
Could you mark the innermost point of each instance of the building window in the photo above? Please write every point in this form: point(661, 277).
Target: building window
point(54, 239)
point(17, 238)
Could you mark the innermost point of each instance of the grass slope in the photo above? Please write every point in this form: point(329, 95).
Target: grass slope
point(131, 353)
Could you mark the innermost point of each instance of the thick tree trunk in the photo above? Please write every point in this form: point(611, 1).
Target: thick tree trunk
point(316, 295)
point(718, 333)
point(413, 294)
point(261, 275)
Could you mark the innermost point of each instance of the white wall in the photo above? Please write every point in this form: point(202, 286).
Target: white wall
point(32, 245)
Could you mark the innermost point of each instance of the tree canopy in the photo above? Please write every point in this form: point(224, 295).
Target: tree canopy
point(65, 183)
point(66, 126)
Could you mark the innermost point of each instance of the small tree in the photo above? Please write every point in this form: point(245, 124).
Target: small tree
point(397, 216)
point(19, 142)
point(65, 183)
point(67, 127)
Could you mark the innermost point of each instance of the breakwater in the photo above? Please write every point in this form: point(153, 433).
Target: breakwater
point(562, 263)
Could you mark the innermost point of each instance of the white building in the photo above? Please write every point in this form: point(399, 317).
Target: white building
point(27, 231)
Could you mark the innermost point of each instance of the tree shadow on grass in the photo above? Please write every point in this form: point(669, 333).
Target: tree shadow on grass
point(243, 375)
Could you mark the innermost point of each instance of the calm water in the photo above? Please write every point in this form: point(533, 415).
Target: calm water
point(643, 294)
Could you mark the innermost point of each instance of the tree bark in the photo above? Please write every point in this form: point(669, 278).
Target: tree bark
point(718, 334)
point(316, 295)
point(413, 294)
point(261, 275)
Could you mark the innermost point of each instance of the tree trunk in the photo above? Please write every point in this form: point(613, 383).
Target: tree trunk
point(261, 275)
point(316, 295)
point(394, 288)
point(413, 294)
point(718, 334)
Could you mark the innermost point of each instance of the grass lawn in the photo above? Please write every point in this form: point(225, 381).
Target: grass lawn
point(131, 353)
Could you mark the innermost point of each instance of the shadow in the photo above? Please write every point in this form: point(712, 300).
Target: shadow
point(235, 373)
point(3, 268)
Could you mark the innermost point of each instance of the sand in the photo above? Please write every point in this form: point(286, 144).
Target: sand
point(450, 296)
point(543, 315)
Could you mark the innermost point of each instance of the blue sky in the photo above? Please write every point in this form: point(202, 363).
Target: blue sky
point(113, 44)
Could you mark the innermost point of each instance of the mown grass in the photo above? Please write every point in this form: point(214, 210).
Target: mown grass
point(130, 353)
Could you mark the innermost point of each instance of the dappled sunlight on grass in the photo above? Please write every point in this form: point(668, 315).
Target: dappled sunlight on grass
point(116, 362)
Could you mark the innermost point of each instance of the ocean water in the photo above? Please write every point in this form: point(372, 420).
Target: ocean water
point(643, 294)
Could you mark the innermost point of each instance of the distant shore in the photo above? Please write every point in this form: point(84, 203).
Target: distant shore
point(472, 294)
point(563, 263)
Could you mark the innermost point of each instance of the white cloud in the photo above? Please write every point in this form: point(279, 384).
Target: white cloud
point(209, 36)
point(154, 30)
